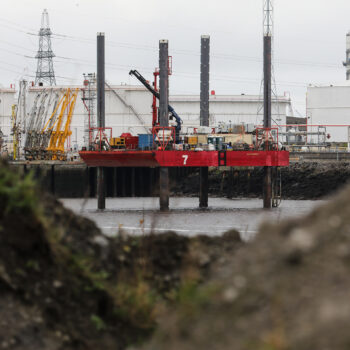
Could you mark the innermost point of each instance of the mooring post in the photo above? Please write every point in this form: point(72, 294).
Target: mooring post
point(267, 191)
point(163, 118)
point(101, 199)
point(101, 194)
point(204, 114)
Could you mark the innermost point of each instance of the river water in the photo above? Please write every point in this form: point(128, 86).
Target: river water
point(141, 215)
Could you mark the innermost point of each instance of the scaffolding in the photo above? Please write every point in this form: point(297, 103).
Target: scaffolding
point(89, 100)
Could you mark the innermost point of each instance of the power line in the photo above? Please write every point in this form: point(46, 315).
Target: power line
point(14, 45)
point(113, 66)
point(194, 53)
point(15, 53)
point(224, 56)
point(32, 75)
point(16, 24)
point(120, 67)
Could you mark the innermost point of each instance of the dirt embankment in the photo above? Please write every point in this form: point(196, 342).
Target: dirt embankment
point(287, 290)
point(63, 285)
point(299, 181)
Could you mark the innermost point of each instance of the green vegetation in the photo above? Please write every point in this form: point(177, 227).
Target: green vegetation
point(97, 322)
point(136, 303)
point(191, 298)
point(17, 193)
point(92, 288)
point(33, 265)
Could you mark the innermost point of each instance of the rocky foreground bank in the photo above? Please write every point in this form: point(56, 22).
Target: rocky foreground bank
point(299, 181)
point(288, 289)
point(63, 285)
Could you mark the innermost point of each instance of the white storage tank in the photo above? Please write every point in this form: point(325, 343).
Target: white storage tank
point(330, 105)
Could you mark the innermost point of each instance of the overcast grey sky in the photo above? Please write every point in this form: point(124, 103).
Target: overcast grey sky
point(309, 41)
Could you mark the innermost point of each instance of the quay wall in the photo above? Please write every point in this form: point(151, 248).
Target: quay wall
point(308, 177)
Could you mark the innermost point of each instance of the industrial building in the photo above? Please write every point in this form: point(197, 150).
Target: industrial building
point(330, 106)
point(129, 109)
point(238, 109)
point(7, 99)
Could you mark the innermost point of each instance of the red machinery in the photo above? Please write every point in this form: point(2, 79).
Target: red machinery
point(154, 103)
point(131, 142)
point(165, 156)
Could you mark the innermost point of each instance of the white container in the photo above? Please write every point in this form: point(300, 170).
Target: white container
point(164, 135)
point(204, 130)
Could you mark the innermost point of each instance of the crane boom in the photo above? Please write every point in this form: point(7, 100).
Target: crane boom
point(155, 93)
point(60, 130)
point(66, 130)
point(138, 76)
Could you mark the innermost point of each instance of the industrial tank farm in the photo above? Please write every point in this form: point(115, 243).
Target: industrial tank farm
point(139, 126)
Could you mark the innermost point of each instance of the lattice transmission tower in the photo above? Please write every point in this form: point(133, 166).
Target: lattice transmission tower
point(45, 72)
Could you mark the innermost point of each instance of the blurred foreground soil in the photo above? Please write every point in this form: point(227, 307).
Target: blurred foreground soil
point(64, 285)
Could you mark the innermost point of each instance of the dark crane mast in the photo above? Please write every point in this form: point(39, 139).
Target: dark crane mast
point(155, 93)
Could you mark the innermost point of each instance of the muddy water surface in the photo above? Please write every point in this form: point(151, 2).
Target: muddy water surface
point(140, 215)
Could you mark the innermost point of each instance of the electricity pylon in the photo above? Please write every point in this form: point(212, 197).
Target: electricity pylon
point(45, 72)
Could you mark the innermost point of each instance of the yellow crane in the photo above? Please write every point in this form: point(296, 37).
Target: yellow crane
point(59, 130)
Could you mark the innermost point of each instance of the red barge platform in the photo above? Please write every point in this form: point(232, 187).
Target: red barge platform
point(172, 158)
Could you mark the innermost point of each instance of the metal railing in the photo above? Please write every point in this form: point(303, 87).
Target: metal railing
point(267, 139)
point(162, 139)
point(100, 139)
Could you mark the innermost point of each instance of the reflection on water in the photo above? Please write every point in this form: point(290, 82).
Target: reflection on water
point(140, 215)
